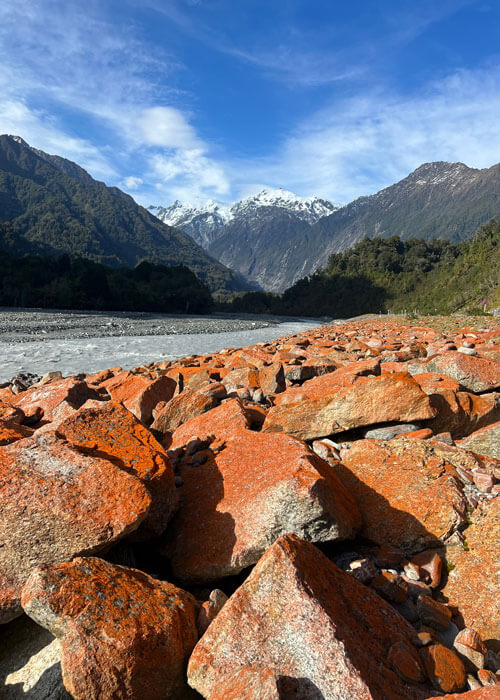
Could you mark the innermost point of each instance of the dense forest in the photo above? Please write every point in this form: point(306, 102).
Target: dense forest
point(379, 275)
point(66, 283)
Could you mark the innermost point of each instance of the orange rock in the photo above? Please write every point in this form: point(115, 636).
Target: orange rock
point(220, 422)
point(188, 405)
point(250, 490)
point(444, 668)
point(244, 377)
point(322, 633)
point(111, 431)
point(272, 379)
point(10, 413)
point(249, 683)
point(10, 432)
point(56, 503)
point(409, 496)
point(473, 582)
point(458, 412)
point(123, 633)
point(55, 397)
point(320, 407)
point(140, 394)
point(475, 374)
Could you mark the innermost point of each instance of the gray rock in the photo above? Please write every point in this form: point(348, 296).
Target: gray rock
point(30, 663)
point(390, 430)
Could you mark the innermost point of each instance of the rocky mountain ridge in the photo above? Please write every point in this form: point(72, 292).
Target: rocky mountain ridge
point(55, 207)
point(276, 246)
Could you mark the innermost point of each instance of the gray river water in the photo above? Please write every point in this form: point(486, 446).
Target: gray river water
point(71, 355)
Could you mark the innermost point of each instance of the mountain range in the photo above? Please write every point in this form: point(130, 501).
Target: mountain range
point(276, 238)
point(54, 207)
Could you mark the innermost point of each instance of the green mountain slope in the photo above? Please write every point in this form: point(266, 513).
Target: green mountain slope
point(57, 208)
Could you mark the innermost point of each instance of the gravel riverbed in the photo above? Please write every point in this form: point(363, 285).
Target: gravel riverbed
point(38, 340)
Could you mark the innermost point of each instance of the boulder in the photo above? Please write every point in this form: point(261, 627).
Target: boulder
point(110, 431)
point(220, 423)
point(321, 407)
point(56, 503)
point(272, 379)
point(490, 693)
point(11, 432)
point(486, 441)
point(473, 580)
point(123, 633)
point(409, 496)
point(140, 393)
point(323, 634)
point(476, 374)
point(245, 493)
point(188, 405)
point(56, 396)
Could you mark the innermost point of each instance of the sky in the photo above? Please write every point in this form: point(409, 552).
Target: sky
point(216, 99)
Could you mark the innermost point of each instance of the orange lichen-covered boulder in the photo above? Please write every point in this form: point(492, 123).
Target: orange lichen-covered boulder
point(320, 631)
point(321, 407)
point(458, 412)
point(11, 432)
point(10, 413)
point(220, 422)
point(56, 503)
point(409, 495)
point(140, 393)
point(57, 394)
point(123, 634)
point(473, 581)
point(251, 489)
point(475, 374)
point(188, 405)
point(109, 430)
point(249, 683)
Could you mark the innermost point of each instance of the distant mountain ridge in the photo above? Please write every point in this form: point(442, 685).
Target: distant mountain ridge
point(250, 235)
point(276, 245)
point(56, 207)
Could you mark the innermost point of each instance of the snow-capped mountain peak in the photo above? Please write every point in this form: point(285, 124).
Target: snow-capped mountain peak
point(309, 209)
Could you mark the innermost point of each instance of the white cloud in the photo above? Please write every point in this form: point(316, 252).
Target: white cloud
point(360, 145)
point(131, 183)
point(168, 127)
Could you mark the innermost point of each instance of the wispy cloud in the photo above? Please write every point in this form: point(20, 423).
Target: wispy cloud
point(360, 145)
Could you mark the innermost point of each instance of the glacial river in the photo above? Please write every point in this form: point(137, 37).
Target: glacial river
point(72, 355)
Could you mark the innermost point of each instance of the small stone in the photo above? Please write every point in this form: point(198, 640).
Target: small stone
point(391, 586)
point(432, 613)
point(444, 669)
point(487, 677)
point(363, 570)
point(412, 571)
point(405, 661)
point(467, 350)
point(432, 564)
point(473, 683)
point(483, 480)
point(210, 609)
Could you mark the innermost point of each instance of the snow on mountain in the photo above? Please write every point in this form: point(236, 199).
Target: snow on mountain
point(308, 209)
point(205, 222)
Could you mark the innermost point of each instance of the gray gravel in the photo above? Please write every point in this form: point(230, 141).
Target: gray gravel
point(24, 325)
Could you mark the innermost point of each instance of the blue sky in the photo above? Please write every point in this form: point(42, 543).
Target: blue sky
point(197, 99)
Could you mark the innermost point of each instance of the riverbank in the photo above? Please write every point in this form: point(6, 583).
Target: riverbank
point(354, 466)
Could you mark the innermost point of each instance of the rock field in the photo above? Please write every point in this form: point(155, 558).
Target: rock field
point(316, 517)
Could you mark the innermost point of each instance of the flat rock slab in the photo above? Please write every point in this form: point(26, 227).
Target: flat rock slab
point(221, 422)
point(485, 441)
point(109, 430)
point(409, 495)
point(251, 489)
point(55, 396)
point(476, 374)
point(123, 634)
point(322, 407)
point(30, 663)
point(321, 632)
point(56, 503)
point(474, 579)
point(140, 393)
